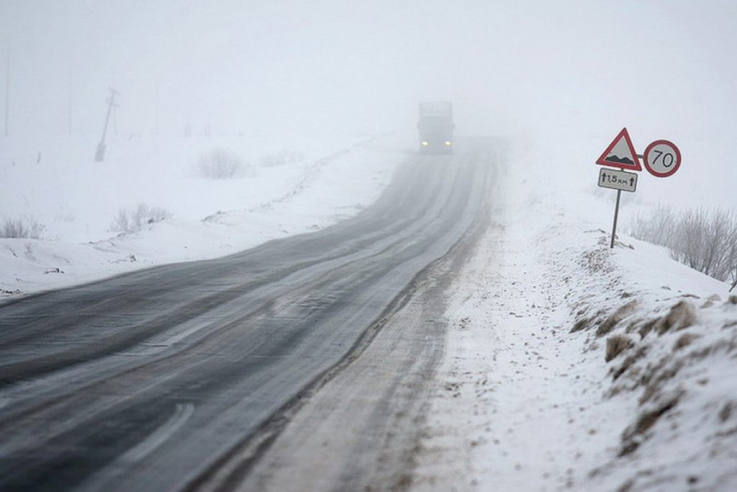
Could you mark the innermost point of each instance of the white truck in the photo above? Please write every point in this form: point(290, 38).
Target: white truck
point(436, 126)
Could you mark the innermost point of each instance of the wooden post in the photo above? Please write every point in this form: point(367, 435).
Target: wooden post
point(69, 100)
point(7, 94)
point(100, 154)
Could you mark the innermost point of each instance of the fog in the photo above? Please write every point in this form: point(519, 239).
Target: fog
point(565, 69)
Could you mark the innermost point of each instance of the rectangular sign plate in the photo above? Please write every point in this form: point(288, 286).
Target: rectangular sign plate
point(617, 180)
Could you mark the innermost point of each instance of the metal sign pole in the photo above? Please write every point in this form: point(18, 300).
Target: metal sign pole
point(616, 216)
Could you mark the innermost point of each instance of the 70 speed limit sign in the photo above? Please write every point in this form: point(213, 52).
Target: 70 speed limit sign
point(662, 158)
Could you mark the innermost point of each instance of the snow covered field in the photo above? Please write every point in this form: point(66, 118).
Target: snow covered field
point(275, 192)
point(568, 365)
point(571, 366)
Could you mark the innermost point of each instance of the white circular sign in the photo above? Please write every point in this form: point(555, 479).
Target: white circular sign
point(662, 158)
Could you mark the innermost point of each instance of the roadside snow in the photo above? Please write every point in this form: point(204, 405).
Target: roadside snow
point(278, 193)
point(568, 365)
point(571, 366)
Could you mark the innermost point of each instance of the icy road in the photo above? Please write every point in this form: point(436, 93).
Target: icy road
point(183, 376)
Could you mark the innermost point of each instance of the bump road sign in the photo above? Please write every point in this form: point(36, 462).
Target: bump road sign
point(621, 153)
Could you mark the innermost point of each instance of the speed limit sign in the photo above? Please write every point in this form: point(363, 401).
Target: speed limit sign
point(662, 158)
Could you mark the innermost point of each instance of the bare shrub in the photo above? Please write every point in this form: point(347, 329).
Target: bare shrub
point(127, 220)
point(726, 412)
point(281, 158)
point(681, 316)
point(617, 344)
point(702, 239)
point(221, 164)
point(657, 228)
point(691, 238)
point(707, 242)
point(25, 228)
point(615, 318)
point(646, 420)
point(582, 323)
point(685, 340)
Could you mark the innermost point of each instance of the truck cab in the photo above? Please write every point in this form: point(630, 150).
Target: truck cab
point(435, 127)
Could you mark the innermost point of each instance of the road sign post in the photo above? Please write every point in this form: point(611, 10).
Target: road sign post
point(620, 181)
point(662, 159)
point(616, 217)
point(621, 154)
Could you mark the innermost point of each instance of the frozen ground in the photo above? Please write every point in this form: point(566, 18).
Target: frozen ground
point(571, 366)
point(281, 189)
point(568, 365)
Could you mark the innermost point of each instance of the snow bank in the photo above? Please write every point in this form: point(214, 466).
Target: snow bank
point(571, 366)
point(310, 185)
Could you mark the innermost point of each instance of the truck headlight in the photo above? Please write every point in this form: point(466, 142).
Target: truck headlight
point(447, 143)
point(425, 143)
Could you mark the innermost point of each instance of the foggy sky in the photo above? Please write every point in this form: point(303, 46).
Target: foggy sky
point(246, 65)
point(554, 70)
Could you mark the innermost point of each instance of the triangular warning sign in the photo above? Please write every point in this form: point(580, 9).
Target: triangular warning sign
point(621, 153)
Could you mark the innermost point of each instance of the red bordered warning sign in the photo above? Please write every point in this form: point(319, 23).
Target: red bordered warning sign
point(621, 153)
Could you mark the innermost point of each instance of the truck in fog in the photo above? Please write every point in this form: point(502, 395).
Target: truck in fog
point(436, 127)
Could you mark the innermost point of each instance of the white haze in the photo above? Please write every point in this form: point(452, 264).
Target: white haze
point(553, 72)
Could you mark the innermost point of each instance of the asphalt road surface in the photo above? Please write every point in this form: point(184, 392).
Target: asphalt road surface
point(190, 376)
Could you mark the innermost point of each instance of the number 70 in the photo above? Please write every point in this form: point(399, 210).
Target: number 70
point(668, 158)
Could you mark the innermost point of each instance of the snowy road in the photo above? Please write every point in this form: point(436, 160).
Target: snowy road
point(158, 379)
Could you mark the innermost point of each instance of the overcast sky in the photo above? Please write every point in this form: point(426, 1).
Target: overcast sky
point(665, 69)
point(240, 65)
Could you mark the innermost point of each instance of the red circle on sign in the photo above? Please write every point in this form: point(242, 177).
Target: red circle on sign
point(653, 168)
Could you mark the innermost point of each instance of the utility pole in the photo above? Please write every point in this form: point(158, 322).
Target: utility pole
point(69, 102)
point(156, 130)
point(115, 112)
point(100, 153)
point(115, 120)
point(7, 94)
